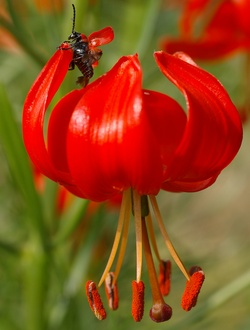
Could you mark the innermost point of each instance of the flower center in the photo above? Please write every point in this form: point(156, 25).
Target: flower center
point(145, 238)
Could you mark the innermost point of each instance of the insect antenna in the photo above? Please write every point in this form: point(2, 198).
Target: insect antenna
point(74, 18)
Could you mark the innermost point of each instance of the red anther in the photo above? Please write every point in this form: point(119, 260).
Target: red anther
point(193, 286)
point(160, 312)
point(111, 291)
point(164, 277)
point(95, 301)
point(137, 300)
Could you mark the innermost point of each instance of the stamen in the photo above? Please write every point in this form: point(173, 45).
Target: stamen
point(124, 239)
point(164, 277)
point(125, 201)
point(111, 291)
point(95, 301)
point(138, 233)
point(167, 238)
point(164, 266)
point(160, 311)
point(152, 237)
point(137, 300)
point(192, 290)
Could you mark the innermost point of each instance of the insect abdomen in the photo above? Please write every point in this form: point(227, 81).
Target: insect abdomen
point(86, 70)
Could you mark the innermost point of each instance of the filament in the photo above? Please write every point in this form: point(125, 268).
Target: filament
point(152, 237)
point(138, 233)
point(125, 199)
point(156, 293)
point(124, 238)
point(166, 237)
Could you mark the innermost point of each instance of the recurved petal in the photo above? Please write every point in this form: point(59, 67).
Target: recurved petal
point(213, 132)
point(111, 145)
point(35, 106)
point(212, 47)
point(226, 31)
point(189, 186)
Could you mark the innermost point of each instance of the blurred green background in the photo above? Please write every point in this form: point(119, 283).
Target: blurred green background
point(46, 255)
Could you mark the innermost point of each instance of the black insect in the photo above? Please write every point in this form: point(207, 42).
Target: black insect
point(84, 54)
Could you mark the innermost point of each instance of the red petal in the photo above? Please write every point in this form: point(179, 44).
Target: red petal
point(110, 143)
point(226, 32)
point(101, 37)
point(213, 132)
point(58, 128)
point(57, 137)
point(187, 186)
point(167, 120)
point(209, 48)
point(35, 106)
point(231, 18)
point(192, 9)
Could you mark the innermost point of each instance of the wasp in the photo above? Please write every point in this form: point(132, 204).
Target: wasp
point(85, 52)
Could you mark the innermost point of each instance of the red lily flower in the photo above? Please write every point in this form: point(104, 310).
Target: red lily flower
point(113, 137)
point(224, 28)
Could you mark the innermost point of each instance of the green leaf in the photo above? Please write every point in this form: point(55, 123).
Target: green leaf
point(11, 139)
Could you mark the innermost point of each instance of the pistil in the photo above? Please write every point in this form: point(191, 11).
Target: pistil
point(160, 311)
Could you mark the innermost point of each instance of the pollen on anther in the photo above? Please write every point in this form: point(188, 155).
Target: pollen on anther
point(164, 277)
point(137, 300)
point(95, 301)
point(111, 291)
point(192, 290)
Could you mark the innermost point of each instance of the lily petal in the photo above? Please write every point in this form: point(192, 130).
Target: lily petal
point(213, 133)
point(111, 145)
point(167, 120)
point(35, 106)
point(209, 48)
point(227, 31)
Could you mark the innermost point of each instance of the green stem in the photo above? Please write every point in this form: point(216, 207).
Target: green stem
point(35, 283)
